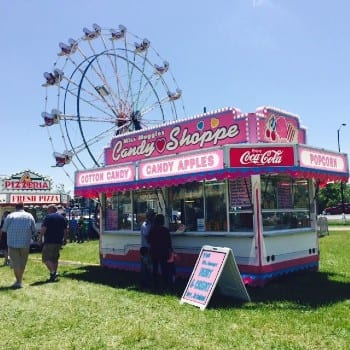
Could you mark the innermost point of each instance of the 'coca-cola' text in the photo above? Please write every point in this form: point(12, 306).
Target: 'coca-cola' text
point(262, 158)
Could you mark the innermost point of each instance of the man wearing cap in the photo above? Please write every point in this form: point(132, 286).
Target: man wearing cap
point(144, 250)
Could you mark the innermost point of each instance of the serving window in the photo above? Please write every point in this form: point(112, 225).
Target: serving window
point(195, 207)
point(118, 211)
point(143, 200)
point(186, 203)
point(215, 206)
point(203, 206)
point(127, 210)
point(285, 202)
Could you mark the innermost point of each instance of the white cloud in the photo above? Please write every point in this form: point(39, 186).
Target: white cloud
point(258, 3)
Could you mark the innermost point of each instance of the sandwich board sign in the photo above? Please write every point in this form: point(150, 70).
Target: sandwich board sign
point(215, 266)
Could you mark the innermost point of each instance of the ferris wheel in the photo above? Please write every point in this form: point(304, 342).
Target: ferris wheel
point(108, 82)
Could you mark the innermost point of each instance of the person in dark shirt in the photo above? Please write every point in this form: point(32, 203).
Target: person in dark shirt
point(3, 240)
point(73, 228)
point(160, 250)
point(53, 233)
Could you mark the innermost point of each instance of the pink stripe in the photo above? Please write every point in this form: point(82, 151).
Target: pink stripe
point(258, 226)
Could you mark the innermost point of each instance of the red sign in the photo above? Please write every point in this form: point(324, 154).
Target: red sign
point(262, 156)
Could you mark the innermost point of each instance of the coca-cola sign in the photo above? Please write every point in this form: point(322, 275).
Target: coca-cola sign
point(262, 156)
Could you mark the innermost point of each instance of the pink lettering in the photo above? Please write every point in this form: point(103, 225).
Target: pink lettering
point(323, 160)
point(144, 148)
point(200, 138)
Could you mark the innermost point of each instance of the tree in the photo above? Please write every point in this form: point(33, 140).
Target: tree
point(330, 195)
point(59, 188)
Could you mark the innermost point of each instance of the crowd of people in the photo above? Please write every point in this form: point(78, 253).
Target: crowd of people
point(17, 230)
point(157, 257)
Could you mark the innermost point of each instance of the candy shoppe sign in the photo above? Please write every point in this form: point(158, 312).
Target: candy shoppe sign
point(188, 135)
point(262, 156)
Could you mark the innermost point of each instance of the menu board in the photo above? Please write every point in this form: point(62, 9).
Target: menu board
point(284, 195)
point(215, 265)
point(240, 192)
point(111, 219)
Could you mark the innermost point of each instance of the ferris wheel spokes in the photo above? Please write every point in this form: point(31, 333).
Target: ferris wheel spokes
point(105, 85)
point(66, 156)
point(55, 116)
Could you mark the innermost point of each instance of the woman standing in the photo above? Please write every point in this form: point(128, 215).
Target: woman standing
point(160, 249)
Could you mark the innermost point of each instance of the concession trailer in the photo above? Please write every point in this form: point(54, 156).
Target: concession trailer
point(245, 181)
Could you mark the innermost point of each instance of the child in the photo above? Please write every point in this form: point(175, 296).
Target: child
point(172, 268)
point(145, 267)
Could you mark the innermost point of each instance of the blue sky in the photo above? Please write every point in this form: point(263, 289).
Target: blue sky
point(243, 53)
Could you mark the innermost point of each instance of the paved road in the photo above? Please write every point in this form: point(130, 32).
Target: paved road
point(338, 228)
point(336, 217)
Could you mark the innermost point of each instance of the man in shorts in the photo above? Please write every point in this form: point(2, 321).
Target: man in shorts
point(19, 227)
point(53, 233)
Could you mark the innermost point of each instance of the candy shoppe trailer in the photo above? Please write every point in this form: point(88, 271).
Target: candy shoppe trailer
point(247, 182)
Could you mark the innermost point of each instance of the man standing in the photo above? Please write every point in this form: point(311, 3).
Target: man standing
point(73, 225)
point(54, 232)
point(144, 250)
point(19, 227)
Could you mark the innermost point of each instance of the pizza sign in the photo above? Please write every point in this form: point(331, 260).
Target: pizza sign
point(26, 181)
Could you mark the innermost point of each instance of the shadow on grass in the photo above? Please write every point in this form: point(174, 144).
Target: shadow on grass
point(115, 278)
point(305, 289)
point(309, 288)
point(40, 283)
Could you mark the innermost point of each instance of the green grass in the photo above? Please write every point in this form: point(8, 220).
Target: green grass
point(96, 308)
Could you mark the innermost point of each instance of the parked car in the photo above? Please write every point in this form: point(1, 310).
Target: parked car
point(337, 209)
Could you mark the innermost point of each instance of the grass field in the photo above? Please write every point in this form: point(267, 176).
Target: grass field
point(96, 308)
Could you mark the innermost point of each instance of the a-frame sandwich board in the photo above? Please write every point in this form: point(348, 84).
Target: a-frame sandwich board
point(215, 266)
